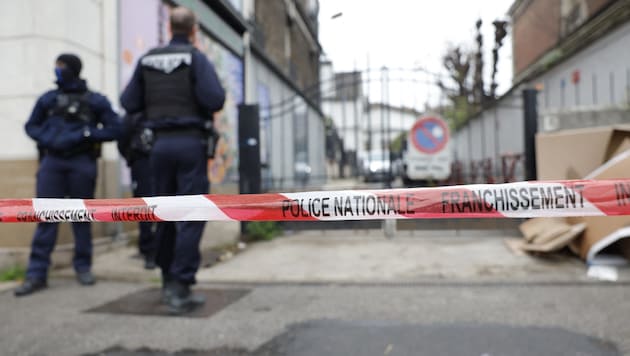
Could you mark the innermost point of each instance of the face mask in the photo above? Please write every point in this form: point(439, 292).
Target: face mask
point(63, 75)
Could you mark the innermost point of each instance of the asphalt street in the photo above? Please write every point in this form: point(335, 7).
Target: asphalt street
point(335, 293)
point(432, 318)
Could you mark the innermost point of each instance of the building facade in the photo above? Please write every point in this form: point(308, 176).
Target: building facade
point(240, 37)
point(584, 77)
point(34, 33)
point(574, 53)
point(362, 126)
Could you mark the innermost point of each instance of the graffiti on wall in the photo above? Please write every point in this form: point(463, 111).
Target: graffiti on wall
point(224, 167)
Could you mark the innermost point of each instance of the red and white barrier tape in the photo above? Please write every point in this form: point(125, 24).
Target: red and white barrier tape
point(510, 200)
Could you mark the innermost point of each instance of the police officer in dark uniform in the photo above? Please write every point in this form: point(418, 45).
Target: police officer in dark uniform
point(135, 145)
point(178, 90)
point(68, 124)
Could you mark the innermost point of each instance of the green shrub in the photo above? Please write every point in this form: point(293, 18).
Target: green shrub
point(262, 230)
point(12, 274)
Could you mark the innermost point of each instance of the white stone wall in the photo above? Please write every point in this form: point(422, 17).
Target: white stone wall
point(604, 84)
point(34, 32)
point(496, 132)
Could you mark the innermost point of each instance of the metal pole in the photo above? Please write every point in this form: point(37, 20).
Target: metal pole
point(249, 168)
point(471, 159)
point(389, 225)
point(120, 229)
point(383, 114)
point(612, 88)
point(369, 114)
point(357, 96)
point(546, 90)
point(344, 127)
point(482, 122)
point(388, 182)
point(282, 143)
point(496, 136)
point(594, 89)
point(577, 93)
point(530, 128)
point(401, 128)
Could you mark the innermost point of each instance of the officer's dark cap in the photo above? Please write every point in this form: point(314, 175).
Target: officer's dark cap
point(72, 62)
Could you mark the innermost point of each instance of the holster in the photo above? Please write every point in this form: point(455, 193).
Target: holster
point(212, 139)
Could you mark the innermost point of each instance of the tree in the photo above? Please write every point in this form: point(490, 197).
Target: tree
point(457, 63)
point(468, 96)
point(500, 32)
point(396, 146)
point(479, 93)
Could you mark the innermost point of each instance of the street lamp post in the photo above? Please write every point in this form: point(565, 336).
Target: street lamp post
point(382, 143)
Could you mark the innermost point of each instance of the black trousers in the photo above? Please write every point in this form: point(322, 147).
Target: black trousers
point(142, 184)
point(180, 167)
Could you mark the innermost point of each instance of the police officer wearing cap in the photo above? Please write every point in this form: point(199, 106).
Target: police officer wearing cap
point(68, 124)
point(178, 90)
point(135, 145)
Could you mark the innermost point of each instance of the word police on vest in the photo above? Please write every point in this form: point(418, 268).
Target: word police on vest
point(168, 62)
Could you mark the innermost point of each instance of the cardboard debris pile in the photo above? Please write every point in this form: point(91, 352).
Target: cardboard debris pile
point(548, 234)
point(594, 153)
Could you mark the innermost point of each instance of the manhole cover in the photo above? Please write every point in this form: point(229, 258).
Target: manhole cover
point(149, 302)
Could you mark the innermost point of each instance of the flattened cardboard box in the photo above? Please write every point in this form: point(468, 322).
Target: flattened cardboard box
point(558, 242)
point(593, 153)
point(574, 154)
point(604, 231)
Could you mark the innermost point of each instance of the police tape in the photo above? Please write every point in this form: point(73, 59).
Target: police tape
point(509, 200)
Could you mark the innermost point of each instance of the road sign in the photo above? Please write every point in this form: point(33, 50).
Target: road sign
point(429, 135)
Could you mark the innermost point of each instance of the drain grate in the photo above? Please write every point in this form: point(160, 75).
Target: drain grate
point(148, 302)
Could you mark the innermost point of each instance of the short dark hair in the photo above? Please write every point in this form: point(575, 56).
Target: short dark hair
point(183, 20)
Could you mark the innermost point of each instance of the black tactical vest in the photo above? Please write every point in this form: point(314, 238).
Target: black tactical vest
point(73, 107)
point(168, 82)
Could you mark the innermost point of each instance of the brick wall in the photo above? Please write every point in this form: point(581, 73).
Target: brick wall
point(596, 5)
point(303, 65)
point(303, 60)
point(307, 7)
point(271, 20)
point(537, 29)
point(534, 32)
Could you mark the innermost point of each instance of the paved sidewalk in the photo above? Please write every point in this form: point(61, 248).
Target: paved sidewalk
point(122, 264)
point(364, 256)
point(368, 257)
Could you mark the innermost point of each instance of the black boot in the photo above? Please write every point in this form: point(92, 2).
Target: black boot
point(86, 278)
point(30, 285)
point(167, 289)
point(181, 300)
point(149, 261)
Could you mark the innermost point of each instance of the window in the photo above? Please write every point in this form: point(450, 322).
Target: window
point(574, 13)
